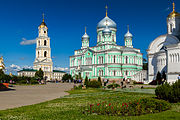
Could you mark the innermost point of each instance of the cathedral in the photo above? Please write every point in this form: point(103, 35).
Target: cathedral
point(164, 51)
point(107, 59)
point(43, 57)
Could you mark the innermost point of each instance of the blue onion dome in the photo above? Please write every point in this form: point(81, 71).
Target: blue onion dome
point(107, 30)
point(85, 35)
point(128, 34)
point(110, 23)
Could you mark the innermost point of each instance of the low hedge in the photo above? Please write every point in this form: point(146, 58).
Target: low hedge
point(94, 84)
point(134, 108)
point(169, 92)
point(113, 85)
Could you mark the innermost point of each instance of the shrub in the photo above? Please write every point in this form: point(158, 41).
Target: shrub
point(34, 81)
point(86, 81)
point(99, 80)
point(168, 92)
point(113, 85)
point(94, 84)
point(134, 108)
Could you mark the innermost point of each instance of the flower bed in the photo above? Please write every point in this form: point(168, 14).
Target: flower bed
point(142, 106)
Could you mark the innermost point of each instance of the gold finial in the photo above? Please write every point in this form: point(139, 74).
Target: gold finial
point(173, 6)
point(128, 27)
point(43, 16)
point(85, 29)
point(106, 10)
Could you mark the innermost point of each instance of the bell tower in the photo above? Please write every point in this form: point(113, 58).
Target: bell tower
point(128, 39)
point(43, 51)
point(173, 22)
point(85, 40)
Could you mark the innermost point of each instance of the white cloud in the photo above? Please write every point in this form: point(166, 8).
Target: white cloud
point(61, 69)
point(14, 68)
point(27, 42)
point(27, 67)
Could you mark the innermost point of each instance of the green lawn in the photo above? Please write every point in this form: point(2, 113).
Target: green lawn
point(70, 107)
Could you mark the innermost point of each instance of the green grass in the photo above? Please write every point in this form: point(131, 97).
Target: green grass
point(70, 107)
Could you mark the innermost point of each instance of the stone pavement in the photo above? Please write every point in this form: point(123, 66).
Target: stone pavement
point(33, 94)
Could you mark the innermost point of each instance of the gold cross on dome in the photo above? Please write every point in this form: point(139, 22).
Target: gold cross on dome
point(43, 16)
point(106, 10)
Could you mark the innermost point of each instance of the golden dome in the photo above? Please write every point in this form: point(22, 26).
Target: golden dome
point(43, 24)
point(173, 13)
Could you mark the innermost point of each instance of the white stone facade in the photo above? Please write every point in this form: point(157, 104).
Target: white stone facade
point(164, 51)
point(43, 57)
point(141, 76)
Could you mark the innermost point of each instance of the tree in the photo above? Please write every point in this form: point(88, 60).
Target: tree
point(76, 77)
point(99, 80)
point(39, 74)
point(159, 78)
point(86, 81)
point(67, 77)
point(2, 75)
point(145, 64)
point(164, 75)
point(79, 76)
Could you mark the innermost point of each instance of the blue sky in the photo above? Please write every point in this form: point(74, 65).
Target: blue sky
point(66, 19)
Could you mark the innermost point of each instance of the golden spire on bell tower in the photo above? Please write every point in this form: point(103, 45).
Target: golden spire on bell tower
point(106, 10)
point(43, 16)
point(173, 13)
point(85, 29)
point(173, 6)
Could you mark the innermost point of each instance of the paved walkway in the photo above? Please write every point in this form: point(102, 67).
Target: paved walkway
point(33, 94)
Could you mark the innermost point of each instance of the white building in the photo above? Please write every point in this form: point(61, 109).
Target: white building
point(43, 57)
point(141, 76)
point(2, 66)
point(107, 59)
point(164, 51)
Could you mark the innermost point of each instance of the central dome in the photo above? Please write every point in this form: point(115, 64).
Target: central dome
point(110, 23)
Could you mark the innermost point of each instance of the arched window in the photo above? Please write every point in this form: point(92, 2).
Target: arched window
point(102, 59)
point(39, 42)
point(114, 59)
point(170, 58)
point(171, 28)
point(45, 42)
point(45, 54)
point(114, 73)
point(126, 60)
point(99, 72)
point(113, 38)
point(99, 60)
point(38, 53)
point(99, 38)
point(126, 72)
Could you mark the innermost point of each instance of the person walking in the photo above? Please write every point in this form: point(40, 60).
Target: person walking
point(179, 77)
